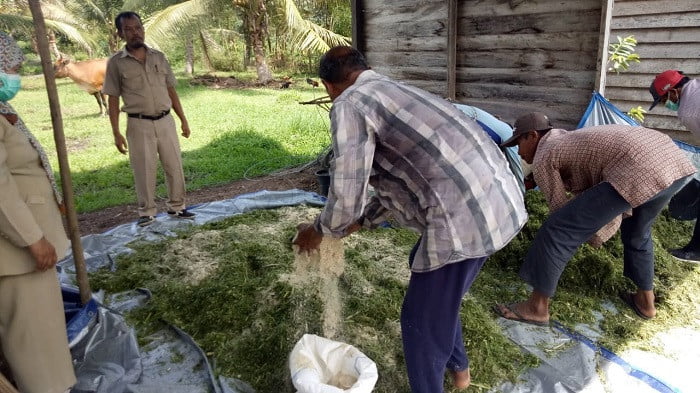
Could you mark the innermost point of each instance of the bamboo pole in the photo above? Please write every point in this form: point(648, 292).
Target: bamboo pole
point(6, 386)
point(60, 141)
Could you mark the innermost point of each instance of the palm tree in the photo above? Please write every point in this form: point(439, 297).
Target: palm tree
point(16, 17)
point(255, 16)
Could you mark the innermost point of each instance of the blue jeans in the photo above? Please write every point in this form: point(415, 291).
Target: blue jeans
point(576, 222)
point(431, 328)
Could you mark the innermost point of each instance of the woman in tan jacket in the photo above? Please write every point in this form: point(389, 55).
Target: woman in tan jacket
point(32, 239)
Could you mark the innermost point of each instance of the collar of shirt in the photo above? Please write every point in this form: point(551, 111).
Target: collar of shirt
point(125, 52)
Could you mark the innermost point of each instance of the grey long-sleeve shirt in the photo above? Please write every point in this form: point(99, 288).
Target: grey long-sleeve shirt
point(430, 165)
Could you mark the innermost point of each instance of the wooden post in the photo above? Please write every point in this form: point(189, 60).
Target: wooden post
point(6, 386)
point(358, 22)
point(60, 141)
point(452, 49)
point(603, 42)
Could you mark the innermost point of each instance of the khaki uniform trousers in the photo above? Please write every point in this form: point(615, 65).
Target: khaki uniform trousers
point(33, 332)
point(148, 141)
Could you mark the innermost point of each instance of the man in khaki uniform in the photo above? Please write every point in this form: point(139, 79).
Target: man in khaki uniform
point(32, 238)
point(143, 78)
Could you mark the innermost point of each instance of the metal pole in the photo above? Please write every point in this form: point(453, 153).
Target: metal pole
point(60, 141)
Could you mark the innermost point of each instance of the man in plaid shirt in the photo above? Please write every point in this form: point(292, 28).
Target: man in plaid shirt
point(596, 180)
point(435, 171)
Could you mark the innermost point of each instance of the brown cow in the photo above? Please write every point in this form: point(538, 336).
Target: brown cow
point(89, 75)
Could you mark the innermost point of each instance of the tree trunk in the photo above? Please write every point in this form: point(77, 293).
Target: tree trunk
point(52, 45)
point(205, 52)
point(257, 14)
point(114, 41)
point(189, 55)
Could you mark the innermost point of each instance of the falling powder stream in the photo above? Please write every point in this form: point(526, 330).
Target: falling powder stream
point(326, 265)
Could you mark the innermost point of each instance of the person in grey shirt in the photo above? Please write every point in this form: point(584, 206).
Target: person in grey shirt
point(681, 94)
point(435, 171)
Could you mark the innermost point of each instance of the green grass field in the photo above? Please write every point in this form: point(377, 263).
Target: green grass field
point(236, 133)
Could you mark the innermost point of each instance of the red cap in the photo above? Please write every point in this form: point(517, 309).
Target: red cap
point(664, 82)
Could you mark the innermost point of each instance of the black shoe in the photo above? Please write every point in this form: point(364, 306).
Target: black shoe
point(686, 254)
point(145, 221)
point(184, 213)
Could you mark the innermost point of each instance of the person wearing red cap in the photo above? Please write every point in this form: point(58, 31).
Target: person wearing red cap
point(679, 93)
point(593, 178)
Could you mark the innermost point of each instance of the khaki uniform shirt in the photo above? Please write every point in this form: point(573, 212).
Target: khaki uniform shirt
point(638, 162)
point(142, 86)
point(28, 209)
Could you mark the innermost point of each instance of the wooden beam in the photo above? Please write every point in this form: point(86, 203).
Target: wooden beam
point(60, 141)
point(358, 22)
point(6, 386)
point(603, 42)
point(451, 49)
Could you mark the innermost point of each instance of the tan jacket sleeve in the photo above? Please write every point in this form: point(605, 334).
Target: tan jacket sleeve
point(17, 224)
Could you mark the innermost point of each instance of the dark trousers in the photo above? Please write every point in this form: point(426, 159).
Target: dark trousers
point(430, 324)
point(576, 222)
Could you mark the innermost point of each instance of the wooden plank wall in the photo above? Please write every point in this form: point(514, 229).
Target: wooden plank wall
point(668, 37)
point(407, 40)
point(513, 56)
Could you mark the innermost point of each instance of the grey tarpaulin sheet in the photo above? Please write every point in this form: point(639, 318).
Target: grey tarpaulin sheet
point(117, 364)
point(571, 361)
point(105, 352)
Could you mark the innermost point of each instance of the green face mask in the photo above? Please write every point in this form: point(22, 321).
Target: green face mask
point(672, 105)
point(9, 86)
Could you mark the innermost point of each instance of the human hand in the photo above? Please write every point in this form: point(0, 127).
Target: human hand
point(307, 239)
point(44, 254)
point(530, 182)
point(120, 143)
point(185, 129)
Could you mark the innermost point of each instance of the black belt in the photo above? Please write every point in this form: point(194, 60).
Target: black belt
point(147, 117)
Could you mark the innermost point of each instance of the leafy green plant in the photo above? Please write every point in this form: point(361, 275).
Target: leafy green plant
point(637, 113)
point(622, 53)
point(620, 57)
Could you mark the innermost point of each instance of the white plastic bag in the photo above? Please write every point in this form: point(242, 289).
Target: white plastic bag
point(320, 365)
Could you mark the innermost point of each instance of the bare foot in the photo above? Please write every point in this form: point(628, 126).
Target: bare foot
point(461, 379)
point(523, 312)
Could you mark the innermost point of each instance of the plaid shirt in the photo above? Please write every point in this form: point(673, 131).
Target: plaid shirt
point(638, 162)
point(431, 166)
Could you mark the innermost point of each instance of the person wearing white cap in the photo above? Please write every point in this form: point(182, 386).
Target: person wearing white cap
point(679, 93)
point(596, 180)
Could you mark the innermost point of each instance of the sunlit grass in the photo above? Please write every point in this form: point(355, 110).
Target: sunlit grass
point(235, 133)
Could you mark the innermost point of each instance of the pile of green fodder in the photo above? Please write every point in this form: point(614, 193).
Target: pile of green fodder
point(233, 286)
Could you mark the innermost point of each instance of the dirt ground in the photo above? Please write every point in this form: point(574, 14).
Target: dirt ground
point(102, 220)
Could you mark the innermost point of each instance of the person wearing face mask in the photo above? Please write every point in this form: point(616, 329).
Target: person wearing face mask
point(9, 84)
point(681, 94)
point(33, 337)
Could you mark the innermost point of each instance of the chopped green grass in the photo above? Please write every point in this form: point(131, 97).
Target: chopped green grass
point(227, 284)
